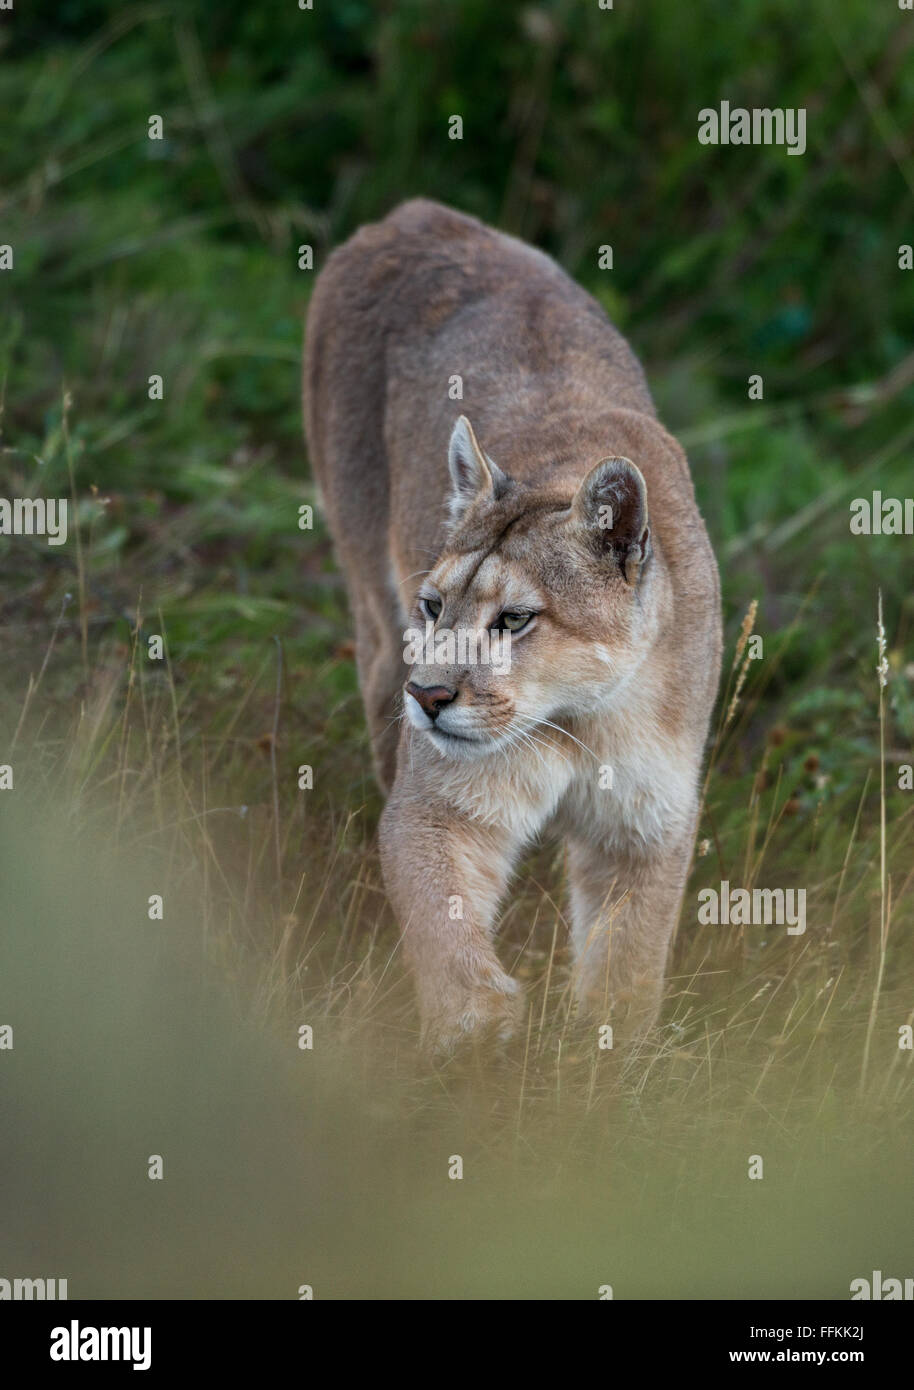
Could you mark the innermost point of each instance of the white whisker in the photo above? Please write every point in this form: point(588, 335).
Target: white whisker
point(549, 725)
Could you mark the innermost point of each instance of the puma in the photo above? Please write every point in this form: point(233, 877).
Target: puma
point(562, 518)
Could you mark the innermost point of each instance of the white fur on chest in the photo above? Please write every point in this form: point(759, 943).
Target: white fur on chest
point(517, 789)
point(640, 793)
point(632, 787)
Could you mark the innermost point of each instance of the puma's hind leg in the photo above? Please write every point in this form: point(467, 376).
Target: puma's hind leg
point(379, 659)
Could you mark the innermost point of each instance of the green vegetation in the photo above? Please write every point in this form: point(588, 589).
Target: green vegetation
point(180, 258)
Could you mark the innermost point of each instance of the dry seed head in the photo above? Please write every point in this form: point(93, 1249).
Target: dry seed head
point(882, 669)
point(745, 631)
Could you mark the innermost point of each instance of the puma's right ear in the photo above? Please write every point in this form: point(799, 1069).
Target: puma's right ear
point(472, 473)
point(611, 503)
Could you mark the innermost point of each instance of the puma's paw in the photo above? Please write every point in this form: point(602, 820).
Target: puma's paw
point(490, 1009)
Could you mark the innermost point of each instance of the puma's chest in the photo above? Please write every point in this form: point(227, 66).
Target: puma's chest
point(638, 790)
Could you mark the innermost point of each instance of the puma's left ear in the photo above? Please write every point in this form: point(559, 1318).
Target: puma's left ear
point(612, 504)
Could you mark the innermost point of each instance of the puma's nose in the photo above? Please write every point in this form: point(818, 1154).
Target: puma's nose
point(432, 698)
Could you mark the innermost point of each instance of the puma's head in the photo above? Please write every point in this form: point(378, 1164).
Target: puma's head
point(562, 578)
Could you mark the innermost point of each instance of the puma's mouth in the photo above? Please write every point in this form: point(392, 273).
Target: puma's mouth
point(446, 734)
point(459, 747)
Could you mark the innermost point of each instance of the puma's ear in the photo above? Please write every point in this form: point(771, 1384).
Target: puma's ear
point(472, 473)
point(612, 504)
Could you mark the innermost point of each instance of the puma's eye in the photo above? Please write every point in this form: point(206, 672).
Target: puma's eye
point(431, 607)
point(513, 622)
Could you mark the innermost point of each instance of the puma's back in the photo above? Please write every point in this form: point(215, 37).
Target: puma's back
point(428, 296)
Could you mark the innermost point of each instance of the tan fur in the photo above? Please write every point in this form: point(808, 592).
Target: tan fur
point(618, 669)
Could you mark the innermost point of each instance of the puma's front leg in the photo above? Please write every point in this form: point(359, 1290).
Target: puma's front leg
point(624, 908)
point(445, 876)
